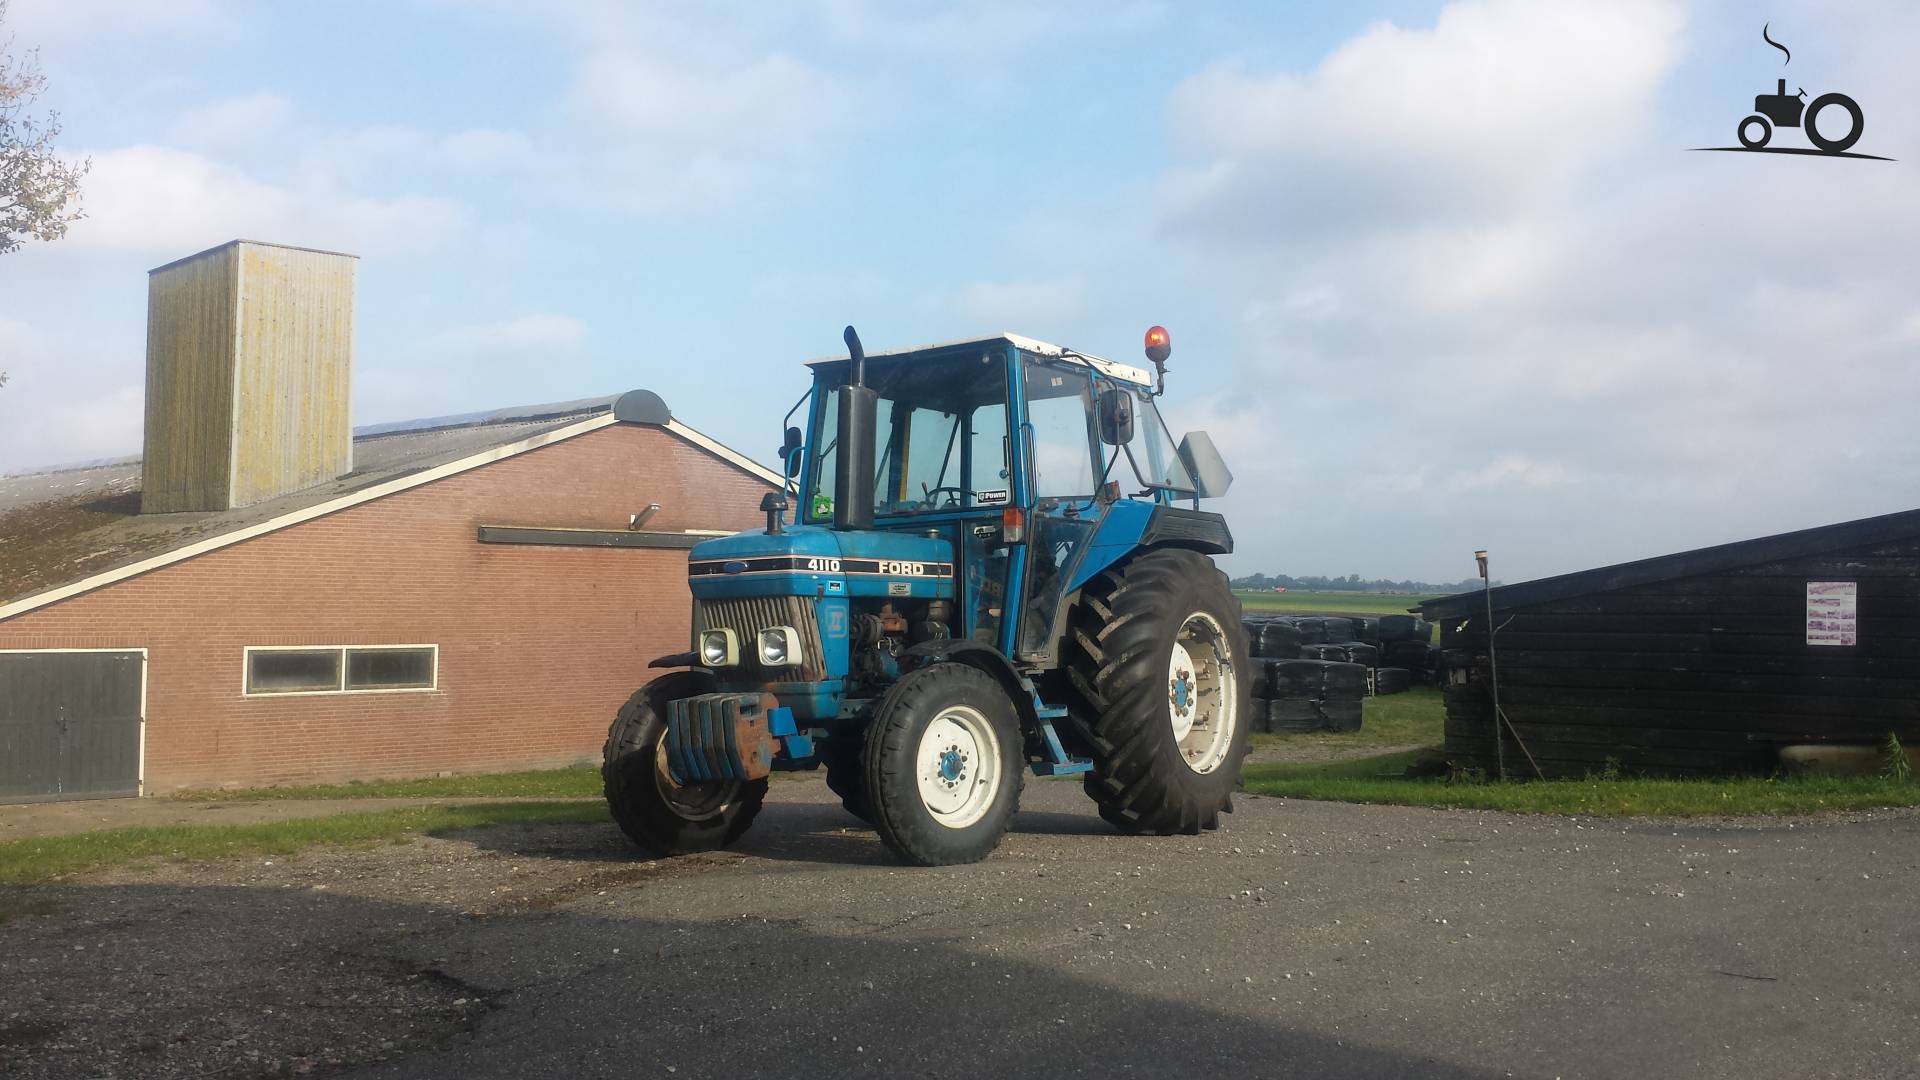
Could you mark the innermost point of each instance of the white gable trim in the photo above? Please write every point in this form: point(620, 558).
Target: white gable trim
point(725, 453)
point(344, 502)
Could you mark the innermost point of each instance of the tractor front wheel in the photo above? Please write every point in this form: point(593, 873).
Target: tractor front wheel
point(1157, 658)
point(656, 813)
point(944, 765)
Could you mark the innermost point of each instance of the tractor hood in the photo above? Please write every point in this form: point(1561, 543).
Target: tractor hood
point(811, 560)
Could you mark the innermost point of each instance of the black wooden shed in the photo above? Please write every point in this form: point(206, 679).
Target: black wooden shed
point(1703, 662)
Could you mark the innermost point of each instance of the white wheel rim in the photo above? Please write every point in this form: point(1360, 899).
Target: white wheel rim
point(1202, 693)
point(1181, 702)
point(958, 766)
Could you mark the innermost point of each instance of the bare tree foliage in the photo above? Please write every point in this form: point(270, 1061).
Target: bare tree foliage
point(39, 191)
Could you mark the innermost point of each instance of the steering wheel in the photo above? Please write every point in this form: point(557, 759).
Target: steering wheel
point(932, 494)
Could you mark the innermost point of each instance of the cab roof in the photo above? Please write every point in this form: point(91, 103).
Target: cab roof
point(1109, 368)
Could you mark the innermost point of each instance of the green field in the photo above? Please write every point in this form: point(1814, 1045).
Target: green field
point(1329, 603)
point(1388, 722)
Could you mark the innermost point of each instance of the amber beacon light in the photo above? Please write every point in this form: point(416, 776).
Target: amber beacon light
point(1159, 345)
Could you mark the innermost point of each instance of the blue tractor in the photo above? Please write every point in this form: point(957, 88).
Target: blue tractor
point(987, 568)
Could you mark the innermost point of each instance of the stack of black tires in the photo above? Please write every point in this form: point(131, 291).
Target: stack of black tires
point(1311, 672)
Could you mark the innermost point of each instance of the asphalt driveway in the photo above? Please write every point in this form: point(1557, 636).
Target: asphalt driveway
point(1306, 939)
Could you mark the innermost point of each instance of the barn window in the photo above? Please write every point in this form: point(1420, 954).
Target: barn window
point(335, 669)
point(409, 668)
point(292, 671)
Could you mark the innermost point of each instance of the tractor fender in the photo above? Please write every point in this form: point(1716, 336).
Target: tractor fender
point(1128, 527)
point(988, 659)
point(1195, 530)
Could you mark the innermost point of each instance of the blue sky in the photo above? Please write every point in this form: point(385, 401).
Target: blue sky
point(1439, 276)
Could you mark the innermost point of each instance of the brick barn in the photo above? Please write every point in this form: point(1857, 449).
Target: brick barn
point(472, 593)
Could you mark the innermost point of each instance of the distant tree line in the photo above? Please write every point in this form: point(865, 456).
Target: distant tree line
point(1351, 583)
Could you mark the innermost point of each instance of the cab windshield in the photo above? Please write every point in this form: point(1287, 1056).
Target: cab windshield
point(942, 428)
point(1156, 460)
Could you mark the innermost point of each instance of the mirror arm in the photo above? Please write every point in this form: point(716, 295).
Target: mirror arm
point(791, 466)
point(1106, 473)
point(1137, 474)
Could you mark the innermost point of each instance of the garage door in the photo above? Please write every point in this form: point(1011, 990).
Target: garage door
point(70, 724)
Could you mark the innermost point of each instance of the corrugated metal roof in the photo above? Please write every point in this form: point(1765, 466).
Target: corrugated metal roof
point(62, 524)
point(1708, 560)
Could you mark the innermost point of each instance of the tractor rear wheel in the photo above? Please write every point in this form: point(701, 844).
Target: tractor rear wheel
point(944, 765)
point(1157, 658)
point(656, 813)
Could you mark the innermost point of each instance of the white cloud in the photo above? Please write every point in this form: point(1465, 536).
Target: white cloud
point(1487, 299)
point(767, 99)
point(675, 109)
point(61, 20)
point(460, 368)
point(977, 32)
point(518, 337)
point(1494, 103)
point(237, 121)
point(1507, 473)
point(484, 149)
point(384, 153)
point(158, 200)
point(1010, 305)
point(67, 398)
point(671, 132)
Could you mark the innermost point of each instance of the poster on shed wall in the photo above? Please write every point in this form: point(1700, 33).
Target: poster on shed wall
point(1833, 612)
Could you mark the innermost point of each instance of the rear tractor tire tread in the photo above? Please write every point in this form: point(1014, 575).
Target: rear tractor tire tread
point(1122, 631)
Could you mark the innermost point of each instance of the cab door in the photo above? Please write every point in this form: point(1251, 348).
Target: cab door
point(1061, 443)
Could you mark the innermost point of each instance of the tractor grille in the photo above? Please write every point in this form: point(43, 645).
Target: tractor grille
point(747, 617)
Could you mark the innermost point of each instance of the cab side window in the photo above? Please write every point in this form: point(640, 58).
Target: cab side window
point(1060, 408)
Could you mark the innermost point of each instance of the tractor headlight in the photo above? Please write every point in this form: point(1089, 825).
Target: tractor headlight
point(780, 646)
point(719, 648)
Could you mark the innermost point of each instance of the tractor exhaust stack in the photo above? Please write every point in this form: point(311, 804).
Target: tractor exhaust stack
point(853, 466)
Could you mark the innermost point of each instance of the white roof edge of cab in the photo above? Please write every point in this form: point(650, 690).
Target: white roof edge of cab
point(1111, 369)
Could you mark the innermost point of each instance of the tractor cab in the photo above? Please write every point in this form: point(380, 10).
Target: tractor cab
point(995, 446)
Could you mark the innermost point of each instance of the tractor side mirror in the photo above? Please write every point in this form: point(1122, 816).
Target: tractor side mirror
point(1211, 478)
point(788, 459)
point(1116, 417)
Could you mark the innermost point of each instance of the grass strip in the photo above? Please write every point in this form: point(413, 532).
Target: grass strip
point(536, 784)
point(1414, 718)
point(1378, 780)
point(39, 858)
